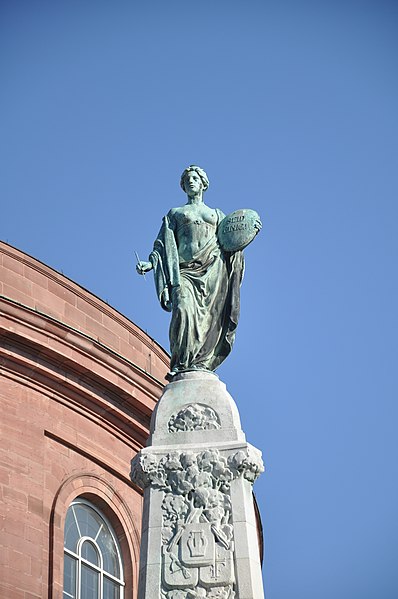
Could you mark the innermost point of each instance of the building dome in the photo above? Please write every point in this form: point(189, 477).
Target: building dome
point(79, 382)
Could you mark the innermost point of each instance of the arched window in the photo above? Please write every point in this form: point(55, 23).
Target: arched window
point(92, 563)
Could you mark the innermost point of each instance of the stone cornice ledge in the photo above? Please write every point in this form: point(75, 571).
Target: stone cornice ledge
point(80, 292)
point(77, 370)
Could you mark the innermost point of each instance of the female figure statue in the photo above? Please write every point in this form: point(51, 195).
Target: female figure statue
point(196, 280)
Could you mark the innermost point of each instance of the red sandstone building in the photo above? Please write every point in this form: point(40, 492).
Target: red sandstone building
point(79, 382)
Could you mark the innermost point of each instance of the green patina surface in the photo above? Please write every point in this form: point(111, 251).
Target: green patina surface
point(196, 279)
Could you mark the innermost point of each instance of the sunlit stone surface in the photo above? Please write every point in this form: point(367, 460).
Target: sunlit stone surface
point(199, 535)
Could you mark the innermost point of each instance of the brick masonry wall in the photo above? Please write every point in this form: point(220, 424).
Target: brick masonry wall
point(46, 291)
point(78, 385)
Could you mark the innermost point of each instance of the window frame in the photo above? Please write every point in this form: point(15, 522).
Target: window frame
point(97, 568)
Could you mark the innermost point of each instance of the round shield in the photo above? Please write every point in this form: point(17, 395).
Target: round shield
point(238, 229)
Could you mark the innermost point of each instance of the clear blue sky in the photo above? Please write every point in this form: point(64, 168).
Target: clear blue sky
point(291, 108)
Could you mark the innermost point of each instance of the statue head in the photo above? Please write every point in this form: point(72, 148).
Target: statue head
point(199, 172)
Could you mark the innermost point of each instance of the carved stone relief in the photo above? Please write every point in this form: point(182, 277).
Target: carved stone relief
point(197, 532)
point(194, 417)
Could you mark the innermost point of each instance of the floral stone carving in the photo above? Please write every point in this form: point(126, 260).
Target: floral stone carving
point(194, 417)
point(197, 533)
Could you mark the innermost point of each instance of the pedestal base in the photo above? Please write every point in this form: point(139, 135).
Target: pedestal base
point(199, 534)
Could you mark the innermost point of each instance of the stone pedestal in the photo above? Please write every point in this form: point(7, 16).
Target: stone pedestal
point(199, 534)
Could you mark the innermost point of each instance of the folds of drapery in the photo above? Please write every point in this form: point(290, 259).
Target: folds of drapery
point(165, 261)
point(204, 297)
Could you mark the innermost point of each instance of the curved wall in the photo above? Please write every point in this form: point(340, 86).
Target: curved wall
point(79, 382)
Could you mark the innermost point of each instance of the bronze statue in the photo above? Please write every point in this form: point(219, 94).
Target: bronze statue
point(196, 279)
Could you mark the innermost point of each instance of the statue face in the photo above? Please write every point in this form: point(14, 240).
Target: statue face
point(193, 183)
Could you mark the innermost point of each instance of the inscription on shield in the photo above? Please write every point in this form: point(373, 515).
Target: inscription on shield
point(175, 574)
point(221, 570)
point(238, 229)
point(197, 545)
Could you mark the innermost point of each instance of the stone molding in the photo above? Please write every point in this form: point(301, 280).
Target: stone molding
point(24, 262)
point(35, 285)
point(77, 371)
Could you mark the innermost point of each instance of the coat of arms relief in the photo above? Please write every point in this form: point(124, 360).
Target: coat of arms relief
point(197, 542)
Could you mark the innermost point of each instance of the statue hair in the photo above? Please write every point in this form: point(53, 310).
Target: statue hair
point(204, 178)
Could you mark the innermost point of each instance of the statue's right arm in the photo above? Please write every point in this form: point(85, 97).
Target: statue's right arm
point(143, 267)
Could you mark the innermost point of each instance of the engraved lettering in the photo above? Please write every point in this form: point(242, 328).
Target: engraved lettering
point(235, 227)
point(235, 219)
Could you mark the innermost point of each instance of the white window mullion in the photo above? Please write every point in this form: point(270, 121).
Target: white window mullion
point(78, 577)
point(77, 523)
point(99, 530)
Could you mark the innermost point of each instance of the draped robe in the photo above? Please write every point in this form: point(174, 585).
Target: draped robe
point(203, 296)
